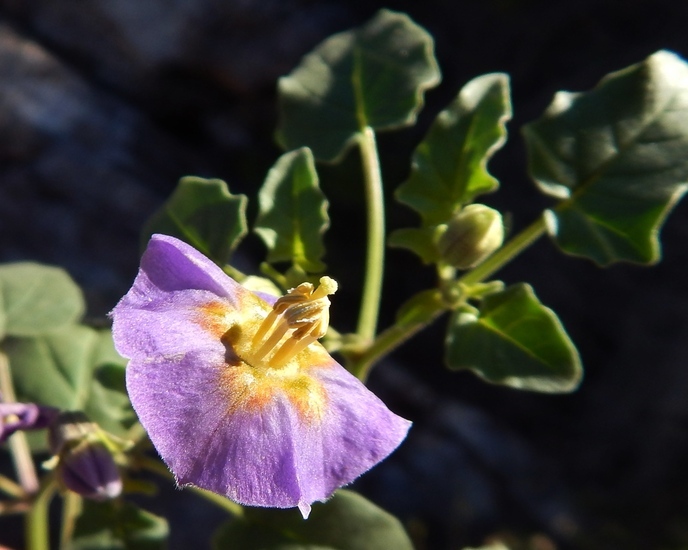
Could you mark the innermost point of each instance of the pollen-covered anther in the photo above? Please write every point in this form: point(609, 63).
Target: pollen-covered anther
point(302, 316)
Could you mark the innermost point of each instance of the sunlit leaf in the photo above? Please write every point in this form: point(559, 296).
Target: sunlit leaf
point(58, 369)
point(617, 158)
point(118, 525)
point(516, 341)
point(374, 75)
point(37, 298)
point(293, 212)
point(450, 165)
point(204, 214)
point(346, 522)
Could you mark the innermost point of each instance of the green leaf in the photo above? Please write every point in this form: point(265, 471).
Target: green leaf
point(449, 166)
point(116, 525)
point(421, 241)
point(346, 522)
point(36, 299)
point(374, 75)
point(617, 156)
point(293, 212)
point(516, 341)
point(58, 369)
point(204, 214)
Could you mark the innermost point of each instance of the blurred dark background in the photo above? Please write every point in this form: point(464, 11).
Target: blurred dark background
point(105, 104)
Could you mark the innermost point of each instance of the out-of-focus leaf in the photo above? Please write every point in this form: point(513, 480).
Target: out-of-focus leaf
point(422, 241)
point(58, 369)
point(617, 157)
point(450, 165)
point(374, 75)
point(293, 212)
point(112, 377)
point(516, 341)
point(36, 299)
point(204, 214)
point(118, 525)
point(346, 522)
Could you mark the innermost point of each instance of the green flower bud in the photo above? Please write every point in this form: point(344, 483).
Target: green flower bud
point(471, 236)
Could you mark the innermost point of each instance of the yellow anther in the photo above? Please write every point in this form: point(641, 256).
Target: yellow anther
point(297, 319)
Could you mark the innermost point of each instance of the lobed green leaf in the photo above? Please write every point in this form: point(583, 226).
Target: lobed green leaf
point(372, 76)
point(204, 214)
point(59, 369)
point(118, 525)
point(516, 341)
point(346, 522)
point(292, 214)
point(617, 158)
point(449, 167)
point(35, 299)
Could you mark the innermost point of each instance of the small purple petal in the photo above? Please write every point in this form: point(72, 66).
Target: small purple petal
point(24, 416)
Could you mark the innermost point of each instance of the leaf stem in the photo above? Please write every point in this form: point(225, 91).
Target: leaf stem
point(160, 469)
point(375, 255)
point(360, 364)
point(36, 521)
point(387, 341)
point(19, 446)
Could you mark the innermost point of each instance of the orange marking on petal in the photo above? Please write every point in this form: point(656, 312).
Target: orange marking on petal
point(250, 389)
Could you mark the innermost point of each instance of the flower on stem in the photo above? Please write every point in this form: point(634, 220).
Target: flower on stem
point(23, 416)
point(234, 390)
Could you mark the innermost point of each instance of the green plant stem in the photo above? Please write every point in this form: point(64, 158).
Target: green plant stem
point(361, 363)
point(386, 342)
point(11, 488)
point(71, 509)
point(375, 255)
point(36, 521)
point(160, 469)
point(19, 446)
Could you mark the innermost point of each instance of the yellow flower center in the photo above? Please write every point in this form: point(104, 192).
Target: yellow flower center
point(271, 351)
point(297, 319)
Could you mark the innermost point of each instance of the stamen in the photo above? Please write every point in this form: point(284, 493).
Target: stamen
point(303, 310)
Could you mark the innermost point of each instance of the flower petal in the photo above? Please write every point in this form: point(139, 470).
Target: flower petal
point(161, 313)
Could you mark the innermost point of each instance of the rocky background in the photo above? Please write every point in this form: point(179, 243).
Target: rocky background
point(105, 104)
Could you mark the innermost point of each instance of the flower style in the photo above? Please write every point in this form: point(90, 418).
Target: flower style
point(234, 390)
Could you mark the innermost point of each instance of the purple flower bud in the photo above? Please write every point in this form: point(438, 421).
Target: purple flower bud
point(85, 464)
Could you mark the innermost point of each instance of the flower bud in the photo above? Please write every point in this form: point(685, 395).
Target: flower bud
point(85, 465)
point(471, 236)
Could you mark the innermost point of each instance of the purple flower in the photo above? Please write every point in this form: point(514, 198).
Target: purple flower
point(236, 393)
point(23, 416)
